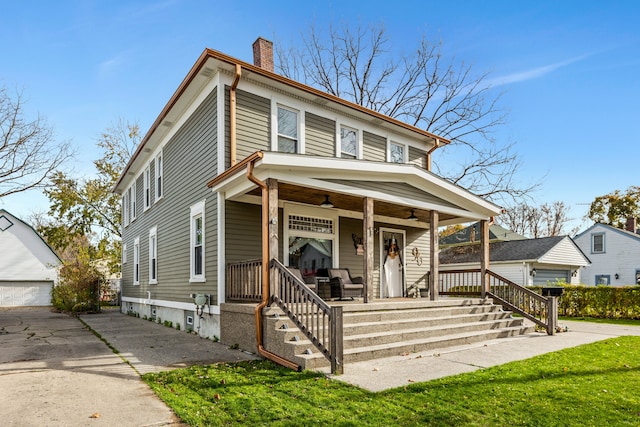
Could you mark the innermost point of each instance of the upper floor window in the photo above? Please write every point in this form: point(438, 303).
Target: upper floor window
point(288, 141)
point(147, 187)
point(125, 208)
point(348, 143)
point(397, 153)
point(597, 243)
point(197, 242)
point(124, 253)
point(136, 261)
point(159, 167)
point(153, 256)
point(132, 197)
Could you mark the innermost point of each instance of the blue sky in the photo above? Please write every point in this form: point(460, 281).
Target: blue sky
point(570, 70)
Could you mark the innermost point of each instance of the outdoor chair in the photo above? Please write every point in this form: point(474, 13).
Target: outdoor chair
point(310, 281)
point(345, 286)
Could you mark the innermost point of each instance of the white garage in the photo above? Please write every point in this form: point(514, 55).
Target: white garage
point(14, 294)
point(28, 266)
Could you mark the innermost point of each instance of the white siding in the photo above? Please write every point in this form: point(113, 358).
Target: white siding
point(621, 255)
point(564, 253)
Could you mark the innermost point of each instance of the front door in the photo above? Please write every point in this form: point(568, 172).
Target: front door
point(392, 244)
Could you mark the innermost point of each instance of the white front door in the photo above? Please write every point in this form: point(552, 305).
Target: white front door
point(392, 244)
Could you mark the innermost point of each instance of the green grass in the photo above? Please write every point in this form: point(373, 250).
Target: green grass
point(591, 385)
point(632, 322)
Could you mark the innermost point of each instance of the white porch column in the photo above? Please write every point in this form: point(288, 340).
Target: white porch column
point(369, 245)
point(433, 255)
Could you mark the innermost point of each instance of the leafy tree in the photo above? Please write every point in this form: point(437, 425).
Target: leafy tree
point(28, 152)
point(537, 221)
point(615, 208)
point(422, 88)
point(87, 207)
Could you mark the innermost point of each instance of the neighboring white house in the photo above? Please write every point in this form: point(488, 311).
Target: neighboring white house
point(525, 262)
point(614, 255)
point(28, 266)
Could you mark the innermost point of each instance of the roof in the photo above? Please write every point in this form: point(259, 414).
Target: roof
point(6, 212)
point(210, 60)
point(514, 250)
point(626, 233)
point(496, 233)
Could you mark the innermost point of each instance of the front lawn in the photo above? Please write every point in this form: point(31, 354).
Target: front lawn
point(591, 385)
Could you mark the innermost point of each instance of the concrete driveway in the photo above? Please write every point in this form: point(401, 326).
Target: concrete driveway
point(54, 371)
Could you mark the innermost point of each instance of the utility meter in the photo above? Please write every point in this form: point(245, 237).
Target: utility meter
point(200, 299)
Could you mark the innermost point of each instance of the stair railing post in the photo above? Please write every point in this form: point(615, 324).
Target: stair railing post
point(337, 350)
point(552, 315)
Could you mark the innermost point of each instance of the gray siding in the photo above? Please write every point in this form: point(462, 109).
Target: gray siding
point(320, 134)
point(418, 157)
point(374, 147)
point(348, 257)
point(417, 274)
point(190, 160)
point(253, 120)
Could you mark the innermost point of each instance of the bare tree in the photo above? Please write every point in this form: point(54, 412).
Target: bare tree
point(543, 221)
point(422, 88)
point(28, 153)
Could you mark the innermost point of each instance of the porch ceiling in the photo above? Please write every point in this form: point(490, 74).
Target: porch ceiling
point(314, 197)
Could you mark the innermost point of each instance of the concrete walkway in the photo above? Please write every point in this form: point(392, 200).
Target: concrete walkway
point(382, 374)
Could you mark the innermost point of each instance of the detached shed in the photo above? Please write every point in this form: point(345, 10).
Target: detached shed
point(28, 266)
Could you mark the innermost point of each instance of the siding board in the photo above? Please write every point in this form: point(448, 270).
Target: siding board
point(374, 147)
point(320, 134)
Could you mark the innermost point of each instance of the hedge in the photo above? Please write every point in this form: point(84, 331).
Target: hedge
point(607, 302)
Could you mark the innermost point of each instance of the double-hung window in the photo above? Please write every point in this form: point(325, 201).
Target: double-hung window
point(288, 134)
point(348, 143)
point(125, 208)
point(124, 253)
point(197, 242)
point(597, 243)
point(136, 261)
point(147, 187)
point(397, 153)
point(159, 167)
point(153, 256)
point(132, 197)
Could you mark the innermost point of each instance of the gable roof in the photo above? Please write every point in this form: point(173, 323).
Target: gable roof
point(496, 233)
point(626, 233)
point(8, 219)
point(514, 250)
point(212, 61)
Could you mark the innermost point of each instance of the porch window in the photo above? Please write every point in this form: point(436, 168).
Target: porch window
point(197, 242)
point(311, 244)
point(287, 130)
point(348, 143)
point(597, 243)
point(147, 187)
point(397, 153)
point(153, 256)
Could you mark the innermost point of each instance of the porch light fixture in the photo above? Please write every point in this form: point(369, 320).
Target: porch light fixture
point(617, 276)
point(327, 203)
point(533, 273)
point(413, 216)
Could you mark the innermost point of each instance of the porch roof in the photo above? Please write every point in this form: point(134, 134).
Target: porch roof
point(398, 189)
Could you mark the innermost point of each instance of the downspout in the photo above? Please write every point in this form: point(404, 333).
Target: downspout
point(434, 148)
point(232, 115)
point(265, 274)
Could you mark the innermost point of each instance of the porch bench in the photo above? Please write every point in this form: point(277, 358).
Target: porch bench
point(345, 286)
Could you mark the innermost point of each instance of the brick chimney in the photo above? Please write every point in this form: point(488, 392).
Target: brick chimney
point(631, 225)
point(263, 54)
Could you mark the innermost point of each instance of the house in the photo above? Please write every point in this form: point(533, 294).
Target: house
point(614, 254)
point(244, 168)
point(28, 267)
point(471, 234)
point(524, 261)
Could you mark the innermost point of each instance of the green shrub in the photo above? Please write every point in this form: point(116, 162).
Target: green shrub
point(79, 287)
point(607, 302)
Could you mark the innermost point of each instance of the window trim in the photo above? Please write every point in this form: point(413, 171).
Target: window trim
point(405, 151)
point(153, 255)
point(125, 207)
point(136, 261)
point(339, 151)
point(607, 276)
point(291, 105)
point(124, 253)
point(133, 200)
point(147, 187)
point(604, 248)
point(159, 185)
point(310, 211)
point(197, 211)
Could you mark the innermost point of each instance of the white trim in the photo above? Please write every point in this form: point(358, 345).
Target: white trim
point(125, 207)
point(124, 253)
point(146, 187)
point(339, 152)
point(153, 243)
point(197, 210)
point(221, 113)
point(188, 306)
point(133, 199)
point(158, 166)
point(286, 105)
point(136, 260)
point(405, 150)
point(222, 227)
